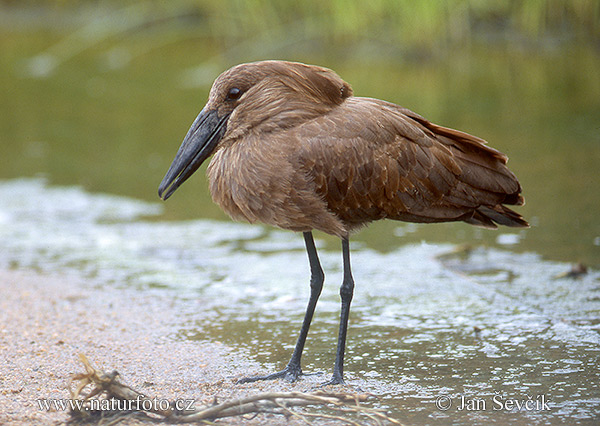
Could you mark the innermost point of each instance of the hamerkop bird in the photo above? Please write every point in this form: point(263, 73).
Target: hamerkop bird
point(293, 148)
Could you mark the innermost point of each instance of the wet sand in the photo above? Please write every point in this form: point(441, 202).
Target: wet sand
point(46, 321)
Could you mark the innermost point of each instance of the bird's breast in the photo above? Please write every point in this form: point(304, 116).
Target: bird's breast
point(251, 181)
point(258, 181)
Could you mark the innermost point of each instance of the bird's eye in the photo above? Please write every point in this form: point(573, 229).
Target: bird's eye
point(234, 94)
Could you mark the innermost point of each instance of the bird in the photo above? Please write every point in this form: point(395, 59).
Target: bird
point(292, 147)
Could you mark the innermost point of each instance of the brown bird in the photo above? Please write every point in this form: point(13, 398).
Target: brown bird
point(295, 149)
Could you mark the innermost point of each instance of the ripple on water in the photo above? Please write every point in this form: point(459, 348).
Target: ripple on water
point(422, 324)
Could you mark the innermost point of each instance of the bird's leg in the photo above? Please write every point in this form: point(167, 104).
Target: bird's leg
point(316, 285)
point(346, 293)
point(293, 370)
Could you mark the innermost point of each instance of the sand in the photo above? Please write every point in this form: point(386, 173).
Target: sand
point(46, 321)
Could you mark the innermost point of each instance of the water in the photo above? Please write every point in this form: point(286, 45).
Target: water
point(428, 323)
point(92, 123)
point(116, 129)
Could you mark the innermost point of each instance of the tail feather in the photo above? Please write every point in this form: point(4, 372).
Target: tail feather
point(487, 174)
point(490, 217)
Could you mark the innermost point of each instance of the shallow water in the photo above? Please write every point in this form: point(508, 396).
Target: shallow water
point(110, 115)
point(429, 322)
point(104, 107)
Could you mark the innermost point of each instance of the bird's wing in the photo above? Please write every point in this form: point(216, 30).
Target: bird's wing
point(370, 160)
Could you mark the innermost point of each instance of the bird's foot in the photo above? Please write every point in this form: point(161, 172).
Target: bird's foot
point(289, 373)
point(336, 379)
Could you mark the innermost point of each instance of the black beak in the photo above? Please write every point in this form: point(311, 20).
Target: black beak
point(201, 140)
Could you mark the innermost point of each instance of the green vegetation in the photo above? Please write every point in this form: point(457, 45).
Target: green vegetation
point(423, 24)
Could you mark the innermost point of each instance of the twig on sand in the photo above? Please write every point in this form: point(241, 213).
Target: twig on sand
point(112, 400)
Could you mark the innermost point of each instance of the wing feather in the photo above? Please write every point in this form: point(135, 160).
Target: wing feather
point(395, 164)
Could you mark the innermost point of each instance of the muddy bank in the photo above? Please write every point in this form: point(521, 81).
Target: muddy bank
point(48, 320)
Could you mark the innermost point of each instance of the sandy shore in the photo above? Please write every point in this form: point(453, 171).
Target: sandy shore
point(46, 321)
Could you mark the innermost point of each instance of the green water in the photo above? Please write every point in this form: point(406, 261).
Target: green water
point(108, 117)
point(111, 117)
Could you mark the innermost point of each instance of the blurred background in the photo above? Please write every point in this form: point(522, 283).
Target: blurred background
point(100, 93)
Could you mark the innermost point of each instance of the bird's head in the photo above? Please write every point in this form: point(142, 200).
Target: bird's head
point(257, 97)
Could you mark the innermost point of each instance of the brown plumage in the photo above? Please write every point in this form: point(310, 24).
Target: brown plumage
point(295, 149)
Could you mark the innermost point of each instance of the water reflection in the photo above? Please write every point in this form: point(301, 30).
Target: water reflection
point(428, 321)
point(111, 115)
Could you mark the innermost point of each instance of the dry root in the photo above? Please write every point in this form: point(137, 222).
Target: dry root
point(107, 392)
